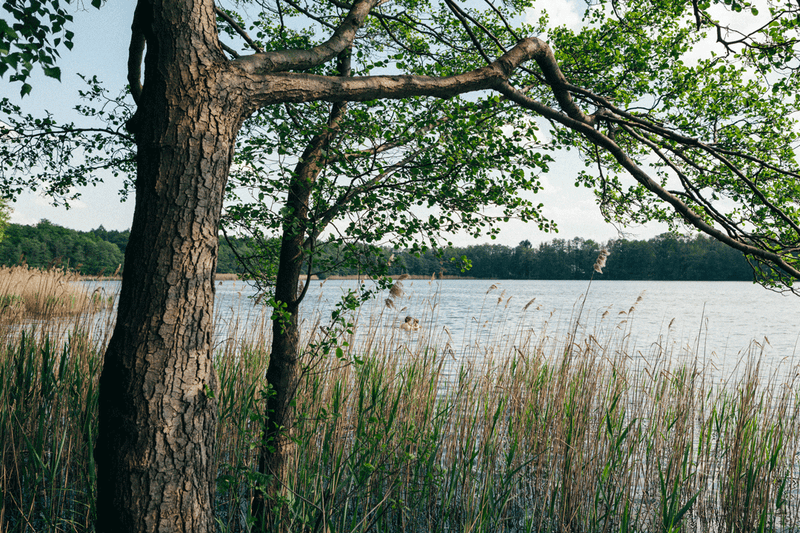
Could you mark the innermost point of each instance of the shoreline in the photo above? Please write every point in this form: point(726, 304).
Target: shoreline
point(396, 277)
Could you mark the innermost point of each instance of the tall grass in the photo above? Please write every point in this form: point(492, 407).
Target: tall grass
point(612, 440)
point(27, 293)
point(48, 425)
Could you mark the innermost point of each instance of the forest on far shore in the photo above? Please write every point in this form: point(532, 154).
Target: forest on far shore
point(666, 257)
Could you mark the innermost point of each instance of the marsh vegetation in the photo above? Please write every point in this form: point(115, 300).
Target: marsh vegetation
point(551, 433)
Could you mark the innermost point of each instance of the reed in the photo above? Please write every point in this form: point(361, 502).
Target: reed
point(48, 424)
point(396, 436)
point(30, 293)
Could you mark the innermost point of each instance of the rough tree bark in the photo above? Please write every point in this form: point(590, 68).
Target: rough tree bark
point(157, 417)
point(157, 414)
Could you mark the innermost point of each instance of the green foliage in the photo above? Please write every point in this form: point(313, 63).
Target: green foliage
point(48, 426)
point(34, 32)
point(38, 153)
point(46, 245)
point(719, 131)
point(408, 440)
point(5, 214)
point(716, 132)
point(233, 252)
point(671, 485)
point(666, 257)
point(120, 238)
point(461, 164)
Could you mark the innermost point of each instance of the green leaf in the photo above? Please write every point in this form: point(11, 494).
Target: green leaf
point(52, 72)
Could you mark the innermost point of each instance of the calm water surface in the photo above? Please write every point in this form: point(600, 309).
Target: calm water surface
point(474, 319)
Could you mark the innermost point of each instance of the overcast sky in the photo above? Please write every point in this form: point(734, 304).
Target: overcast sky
point(101, 43)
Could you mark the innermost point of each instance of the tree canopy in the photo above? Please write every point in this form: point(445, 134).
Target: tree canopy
point(708, 141)
point(32, 33)
point(666, 257)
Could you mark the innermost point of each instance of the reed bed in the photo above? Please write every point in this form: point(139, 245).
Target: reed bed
point(550, 432)
point(30, 293)
point(48, 425)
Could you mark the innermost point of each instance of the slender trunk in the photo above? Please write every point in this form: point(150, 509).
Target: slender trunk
point(155, 448)
point(283, 373)
point(283, 376)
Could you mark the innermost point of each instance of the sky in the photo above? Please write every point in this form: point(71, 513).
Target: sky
point(101, 47)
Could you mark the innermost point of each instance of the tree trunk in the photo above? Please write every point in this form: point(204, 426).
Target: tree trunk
point(283, 373)
point(155, 448)
point(283, 376)
point(157, 414)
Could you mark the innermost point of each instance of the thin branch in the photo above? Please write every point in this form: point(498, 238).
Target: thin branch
point(384, 147)
point(242, 261)
point(747, 39)
point(329, 214)
point(310, 15)
point(739, 174)
point(417, 26)
point(398, 42)
point(485, 30)
point(230, 50)
point(460, 15)
point(238, 29)
point(642, 177)
point(304, 59)
point(63, 131)
point(136, 52)
point(508, 26)
point(691, 192)
point(758, 161)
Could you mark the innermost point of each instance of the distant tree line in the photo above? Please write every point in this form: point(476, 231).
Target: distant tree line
point(47, 245)
point(666, 257)
point(92, 253)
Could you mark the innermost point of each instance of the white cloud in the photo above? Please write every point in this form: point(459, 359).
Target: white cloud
point(97, 206)
point(22, 218)
point(567, 13)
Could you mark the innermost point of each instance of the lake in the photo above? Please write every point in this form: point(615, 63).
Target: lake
point(474, 319)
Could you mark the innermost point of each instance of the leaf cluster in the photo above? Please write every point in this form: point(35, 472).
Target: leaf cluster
point(32, 32)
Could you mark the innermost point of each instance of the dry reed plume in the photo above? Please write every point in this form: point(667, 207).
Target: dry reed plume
point(40, 294)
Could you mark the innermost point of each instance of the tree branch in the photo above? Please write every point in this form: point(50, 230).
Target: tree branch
point(718, 155)
point(642, 177)
point(284, 60)
point(238, 29)
point(271, 88)
point(234, 54)
point(329, 214)
point(136, 52)
point(461, 16)
point(306, 12)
